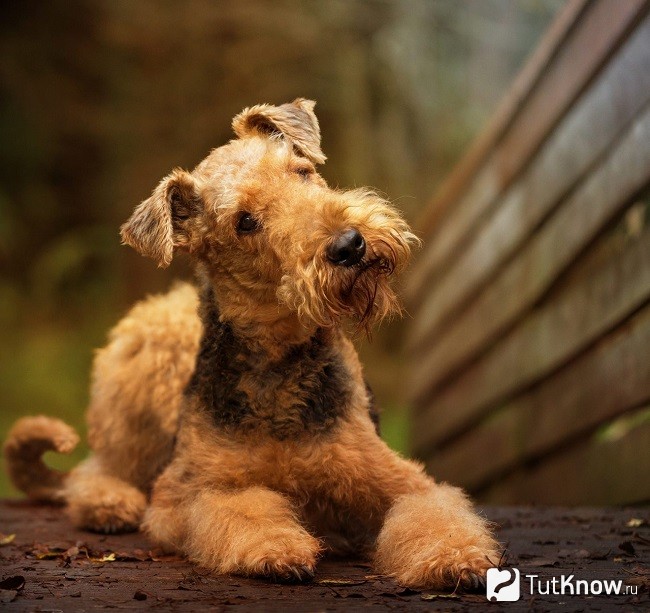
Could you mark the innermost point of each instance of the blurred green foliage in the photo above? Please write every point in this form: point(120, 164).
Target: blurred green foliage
point(101, 98)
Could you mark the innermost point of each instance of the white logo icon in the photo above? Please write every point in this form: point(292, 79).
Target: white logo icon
point(503, 585)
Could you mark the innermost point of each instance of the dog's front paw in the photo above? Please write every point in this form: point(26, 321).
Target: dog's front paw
point(288, 573)
point(435, 540)
point(294, 565)
point(446, 567)
point(285, 556)
point(253, 533)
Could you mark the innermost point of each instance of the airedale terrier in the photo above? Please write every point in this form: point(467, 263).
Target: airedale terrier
point(232, 422)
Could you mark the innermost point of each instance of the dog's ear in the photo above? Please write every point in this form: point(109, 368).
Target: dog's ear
point(296, 120)
point(161, 222)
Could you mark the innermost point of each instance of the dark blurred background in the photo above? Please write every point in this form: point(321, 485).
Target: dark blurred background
point(101, 98)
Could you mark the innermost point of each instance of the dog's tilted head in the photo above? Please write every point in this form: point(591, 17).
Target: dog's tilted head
point(268, 231)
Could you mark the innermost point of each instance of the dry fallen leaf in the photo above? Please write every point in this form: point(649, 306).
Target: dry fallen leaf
point(339, 582)
point(13, 583)
point(48, 554)
point(627, 547)
point(70, 555)
point(439, 596)
point(7, 595)
point(10, 587)
point(407, 591)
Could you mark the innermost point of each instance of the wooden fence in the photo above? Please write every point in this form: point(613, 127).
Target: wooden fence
point(530, 338)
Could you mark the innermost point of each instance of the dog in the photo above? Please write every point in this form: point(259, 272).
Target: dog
point(231, 421)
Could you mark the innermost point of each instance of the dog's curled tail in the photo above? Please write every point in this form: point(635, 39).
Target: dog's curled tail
point(27, 441)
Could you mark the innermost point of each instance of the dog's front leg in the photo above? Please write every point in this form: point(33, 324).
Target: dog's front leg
point(434, 539)
point(253, 532)
point(430, 536)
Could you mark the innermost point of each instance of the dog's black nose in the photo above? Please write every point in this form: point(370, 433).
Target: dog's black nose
point(347, 248)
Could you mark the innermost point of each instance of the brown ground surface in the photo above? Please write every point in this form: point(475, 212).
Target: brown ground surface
point(50, 566)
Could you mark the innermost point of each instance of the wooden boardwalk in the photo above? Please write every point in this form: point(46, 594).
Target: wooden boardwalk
point(50, 566)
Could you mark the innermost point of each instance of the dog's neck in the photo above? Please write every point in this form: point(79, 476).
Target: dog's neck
point(256, 383)
point(257, 317)
point(265, 328)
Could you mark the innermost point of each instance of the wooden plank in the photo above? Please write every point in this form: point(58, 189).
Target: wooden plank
point(542, 343)
point(526, 278)
point(598, 32)
point(590, 46)
point(501, 120)
point(606, 470)
point(601, 384)
point(618, 95)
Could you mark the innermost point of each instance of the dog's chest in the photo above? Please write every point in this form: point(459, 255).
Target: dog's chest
point(305, 391)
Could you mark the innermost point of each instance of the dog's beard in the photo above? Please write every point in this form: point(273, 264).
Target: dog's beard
point(324, 294)
point(367, 297)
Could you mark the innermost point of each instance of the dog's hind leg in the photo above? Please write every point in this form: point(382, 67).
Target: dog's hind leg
point(101, 502)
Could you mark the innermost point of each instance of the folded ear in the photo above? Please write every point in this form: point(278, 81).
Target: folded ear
point(296, 120)
point(160, 223)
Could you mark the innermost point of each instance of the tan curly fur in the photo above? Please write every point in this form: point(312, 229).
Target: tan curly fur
point(231, 420)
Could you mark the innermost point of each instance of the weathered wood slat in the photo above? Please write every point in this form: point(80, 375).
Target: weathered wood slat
point(600, 385)
point(603, 470)
point(598, 32)
point(543, 342)
point(616, 97)
point(503, 117)
point(526, 278)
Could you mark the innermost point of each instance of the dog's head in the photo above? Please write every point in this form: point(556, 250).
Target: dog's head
point(268, 231)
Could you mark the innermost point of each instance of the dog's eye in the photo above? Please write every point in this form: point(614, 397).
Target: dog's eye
point(303, 171)
point(247, 223)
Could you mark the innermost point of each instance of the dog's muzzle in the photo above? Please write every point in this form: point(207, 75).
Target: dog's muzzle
point(347, 249)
